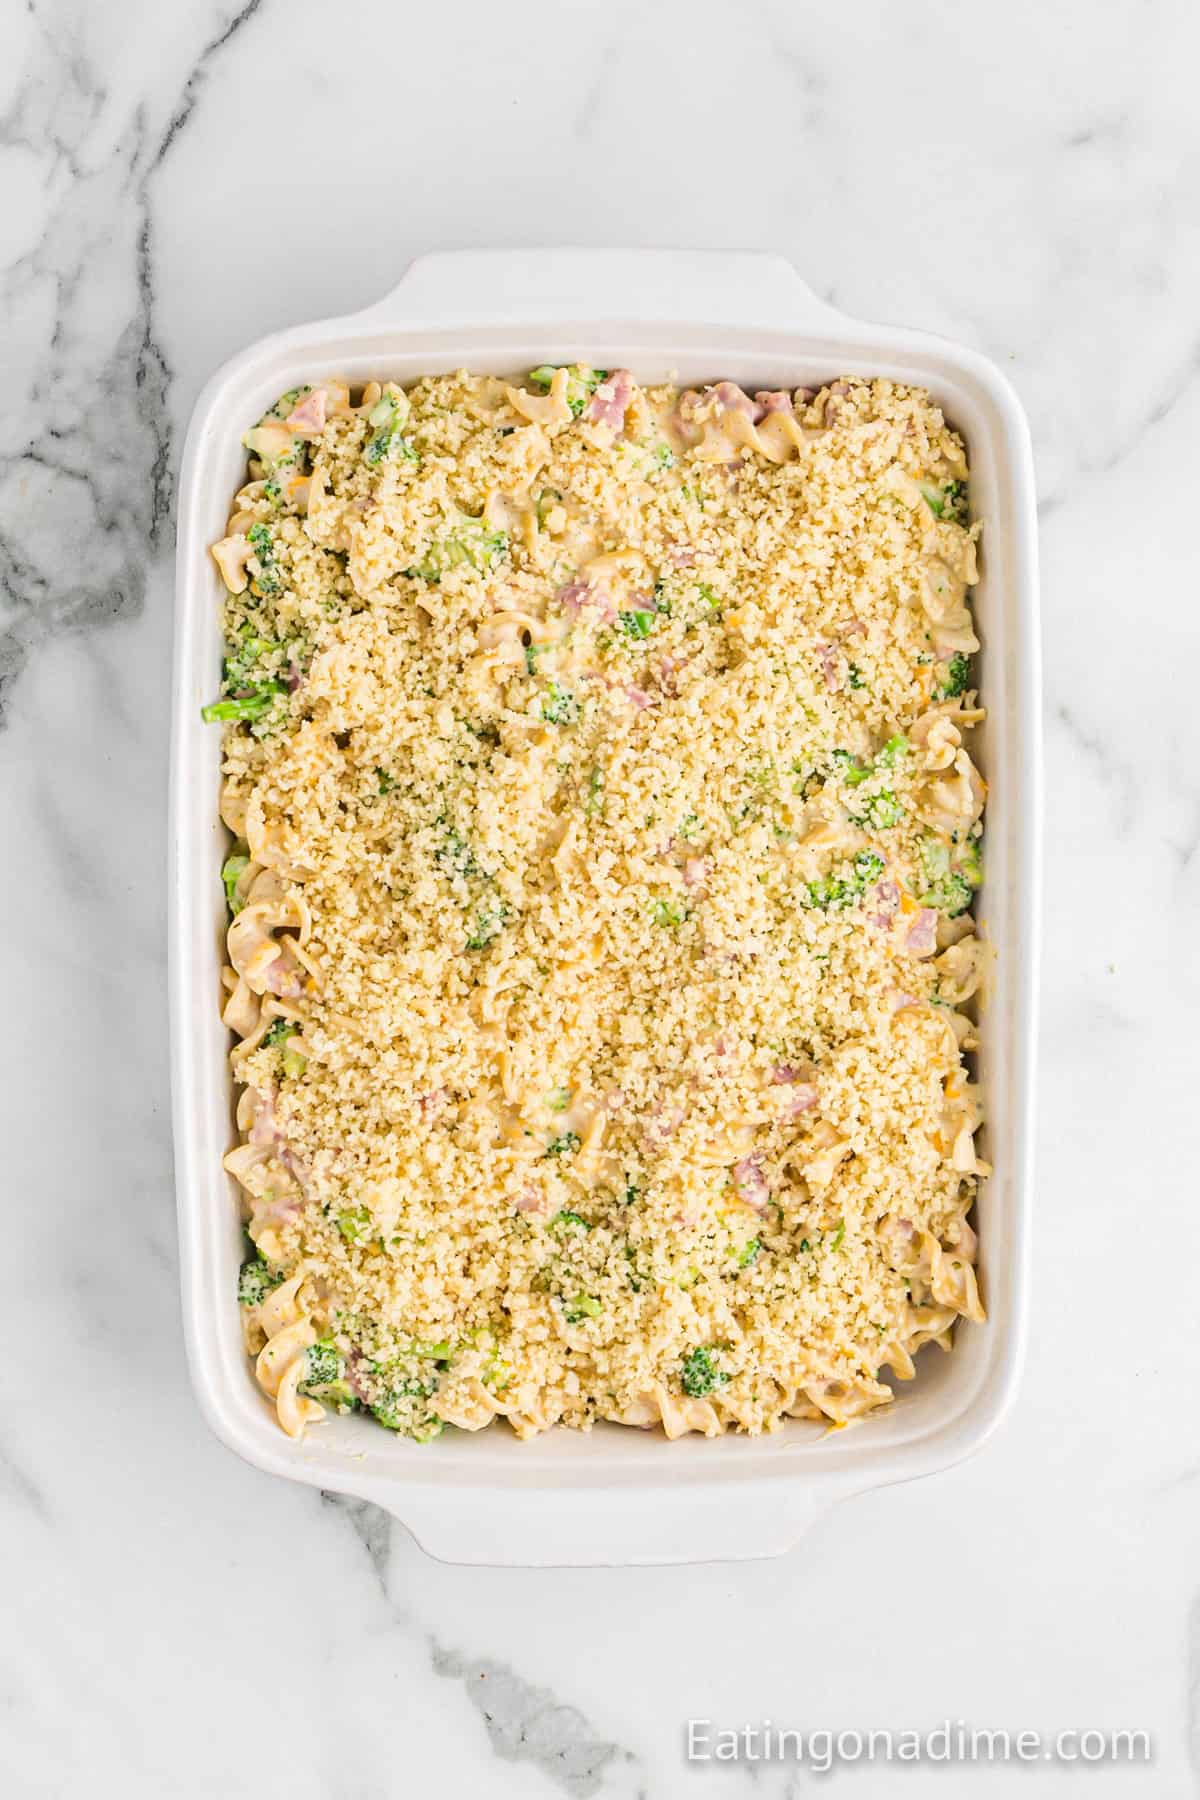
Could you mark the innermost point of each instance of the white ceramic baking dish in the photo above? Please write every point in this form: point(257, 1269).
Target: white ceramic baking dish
point(614, 1495)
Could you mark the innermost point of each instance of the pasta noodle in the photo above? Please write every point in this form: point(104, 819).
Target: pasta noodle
point(601, 961)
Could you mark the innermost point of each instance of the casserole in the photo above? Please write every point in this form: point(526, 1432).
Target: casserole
point(630, 1498)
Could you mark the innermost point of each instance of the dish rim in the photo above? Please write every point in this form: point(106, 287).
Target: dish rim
point(761, 302)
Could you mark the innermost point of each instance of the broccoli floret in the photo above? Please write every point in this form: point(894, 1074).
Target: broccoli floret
point(231, 873)
point(881, 810)
point(255, 1281)
point(355, 1224)
point(322, 1366)
point(855, 676)
point(404, 1407)
point(489, 923)
point(249, 695)
point(852, 771)
point(564, 1145)
point(700, 1373)
point(248, 709)
point(471, 542)
point(386, 782)
point(583, 1306)
point(958, 674)
point(748, 1253)
point(895, 748)
point(668, 913)
point(835, 1242)
point(582, 382)
point(637, 623)
point(261, 542)
point(947, 502)
point(388, 415)
point(455, 855)
point(279, 1032)
point(568, 1224)
point(951, 875)
point(833, 892)
point(547, 500)
point(594, 801)
point(557, 706)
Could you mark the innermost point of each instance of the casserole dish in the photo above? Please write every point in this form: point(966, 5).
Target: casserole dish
point(613, 1495)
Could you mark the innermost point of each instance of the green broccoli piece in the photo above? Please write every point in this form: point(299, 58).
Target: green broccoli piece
point(547, 500)
point(594, 802)
point(248, 708)
point(262, 543)
point(669, 913)
point(583, 1306)
point(582, 382)
point(948, 502)
point(881, 810)
point(232, 870)
point(249, 695)
point(322, 1366)
point(564, 1145)
point(568, 1224)
point(558, 706)
point(470, 542)
point(637, 623)
point(701, 1375)
point(456, 856)
point(255, 1281)
point(489, 923)
point(855, 676)
point(278, 1033)
point(958, 674)
point(951, 875)
point(748, 1253)
point(836, 1241)
point(852, 771)
point(389, 413)
point(355, 1224)
point(831, 893)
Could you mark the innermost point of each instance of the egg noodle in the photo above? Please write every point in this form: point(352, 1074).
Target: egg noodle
point(601, 961)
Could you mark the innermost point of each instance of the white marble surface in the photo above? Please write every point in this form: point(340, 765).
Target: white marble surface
point(177, 179)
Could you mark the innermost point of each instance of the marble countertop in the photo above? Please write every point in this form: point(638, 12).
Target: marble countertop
point(175, 181)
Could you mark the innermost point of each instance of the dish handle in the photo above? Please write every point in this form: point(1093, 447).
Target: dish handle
point(720, 287)
point(616, 1527)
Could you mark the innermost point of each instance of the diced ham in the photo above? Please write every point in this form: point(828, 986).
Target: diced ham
point(886, 900)
point(682, 555)
point(637, 697)
point(695, 871)
point(827, 656)
point(577, 594)
point(729, 397)
point(308, 418)
point(750, 1184)
point(803, 1097)
point(284, 979)
point(531, 1200)
point(921, 938)
point(264, 1132)
point(608, 404)
point(833, 404)
point(900, 1001)
point(777, 401)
